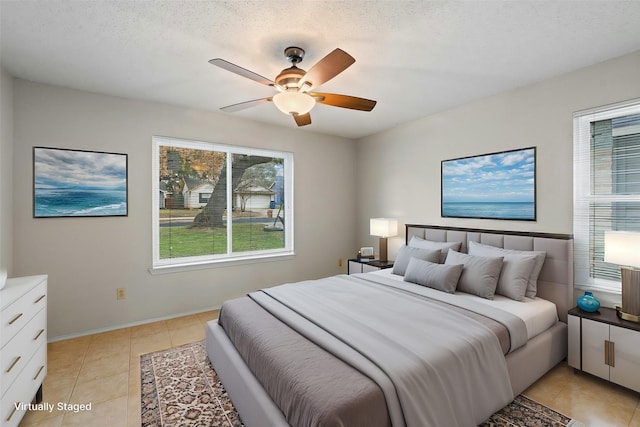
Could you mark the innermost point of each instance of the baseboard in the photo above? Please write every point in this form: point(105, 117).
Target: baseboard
point(128, 325)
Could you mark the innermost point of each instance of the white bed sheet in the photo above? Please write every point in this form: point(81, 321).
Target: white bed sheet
point(538, 314)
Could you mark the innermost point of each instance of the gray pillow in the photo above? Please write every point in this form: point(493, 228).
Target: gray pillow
point(532, 283)
point(443, 247)
point(479, 275)
point(516, 270)
point(432, 275)
point(405, 253)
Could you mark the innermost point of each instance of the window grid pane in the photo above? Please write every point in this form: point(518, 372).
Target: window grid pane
point(257, 224)
point(189, 177)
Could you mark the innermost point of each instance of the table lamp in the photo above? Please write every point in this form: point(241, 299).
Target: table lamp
point(623, 248)
point(383, 227)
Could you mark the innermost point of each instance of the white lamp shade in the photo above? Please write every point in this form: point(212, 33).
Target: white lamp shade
point(383, 227)
point(294, 102)
point(622, 247)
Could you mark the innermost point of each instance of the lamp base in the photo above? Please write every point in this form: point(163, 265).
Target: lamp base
point(626, 316)
point(382, 254)
point(630, 293)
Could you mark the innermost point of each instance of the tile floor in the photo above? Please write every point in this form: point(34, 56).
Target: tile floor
point(105, 369)
point(586, 398)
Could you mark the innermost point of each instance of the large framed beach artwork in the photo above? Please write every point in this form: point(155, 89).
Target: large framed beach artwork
point(490, 186)
point(78, 183)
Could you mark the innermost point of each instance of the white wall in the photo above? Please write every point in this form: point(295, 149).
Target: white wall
point(88, 258)
point(401, 167)
point(6, 171)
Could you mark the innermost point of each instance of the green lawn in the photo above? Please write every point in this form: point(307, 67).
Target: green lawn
point(184, 241)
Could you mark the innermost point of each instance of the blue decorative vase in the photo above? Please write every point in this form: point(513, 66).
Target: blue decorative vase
point(588, 302)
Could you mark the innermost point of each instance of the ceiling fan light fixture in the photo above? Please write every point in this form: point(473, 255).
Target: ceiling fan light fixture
point(294, 103)
point(295, 85)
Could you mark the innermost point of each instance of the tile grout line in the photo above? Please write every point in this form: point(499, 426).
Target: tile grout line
point(75, 383)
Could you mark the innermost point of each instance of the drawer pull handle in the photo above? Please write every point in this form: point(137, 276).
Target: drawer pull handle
point(38, 373)
point(612, 356)
point(38, 336)
point(12, 321)
point(606, 352)
point(16, 360)
point(12, 412)
point(39, 299)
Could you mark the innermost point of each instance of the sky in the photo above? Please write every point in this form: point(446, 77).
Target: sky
point(501, 177)
point(79, 170)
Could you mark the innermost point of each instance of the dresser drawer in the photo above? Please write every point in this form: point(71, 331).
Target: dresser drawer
point(17, 353)
point(18, 314)
point(23, 390)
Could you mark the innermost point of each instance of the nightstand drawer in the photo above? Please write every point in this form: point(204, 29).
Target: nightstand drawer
point(366, 268)
point(355, 267)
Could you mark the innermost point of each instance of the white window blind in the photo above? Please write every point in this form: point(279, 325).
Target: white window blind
point(606, 187)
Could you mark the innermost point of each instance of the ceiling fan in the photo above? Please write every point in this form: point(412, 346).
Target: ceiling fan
point(295, 85)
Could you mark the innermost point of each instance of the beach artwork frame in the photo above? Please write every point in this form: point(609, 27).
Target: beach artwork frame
point(79, 183)
point(498, 185)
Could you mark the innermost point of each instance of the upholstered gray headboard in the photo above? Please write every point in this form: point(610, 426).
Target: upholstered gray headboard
point(555, 282)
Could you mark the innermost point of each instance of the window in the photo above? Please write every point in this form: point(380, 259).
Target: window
point(204, 197)
point(198, 219)
point(606, 187)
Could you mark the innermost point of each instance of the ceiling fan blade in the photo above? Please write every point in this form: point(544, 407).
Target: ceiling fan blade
point(327, 68)
point(244, 105)
point(303, 119)
point(344, 101)
point(218, 62)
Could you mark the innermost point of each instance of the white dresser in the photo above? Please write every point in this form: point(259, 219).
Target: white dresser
point(23, 345)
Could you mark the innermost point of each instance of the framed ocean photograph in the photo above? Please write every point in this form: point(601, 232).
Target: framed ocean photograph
point(79, 183)
point(490, 186)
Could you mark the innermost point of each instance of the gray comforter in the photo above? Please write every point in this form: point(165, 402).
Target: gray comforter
point(434, 366)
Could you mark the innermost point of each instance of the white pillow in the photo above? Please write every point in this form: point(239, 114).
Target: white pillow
point(479, 275)
point(432, 275)
point(532, 283)
point(443, 247)
point(405, 253)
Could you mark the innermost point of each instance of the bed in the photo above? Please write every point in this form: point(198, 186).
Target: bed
point(274, 359)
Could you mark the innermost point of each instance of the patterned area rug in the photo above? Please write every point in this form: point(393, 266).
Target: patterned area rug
point(526, 412)
point(180, 388)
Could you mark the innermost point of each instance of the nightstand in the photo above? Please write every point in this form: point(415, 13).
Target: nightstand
point(606, 346)
point(364, 266)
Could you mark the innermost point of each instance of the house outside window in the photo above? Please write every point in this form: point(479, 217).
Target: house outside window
point(199, 220)
point(606, 188)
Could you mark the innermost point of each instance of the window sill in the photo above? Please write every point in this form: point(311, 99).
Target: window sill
point(227, 262)
point(599, 289)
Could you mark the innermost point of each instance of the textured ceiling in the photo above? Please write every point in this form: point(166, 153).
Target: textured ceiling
point(414, 57)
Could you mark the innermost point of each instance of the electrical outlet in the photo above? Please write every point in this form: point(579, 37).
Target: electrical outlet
point(340, 262)
point(120, 293)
